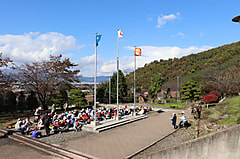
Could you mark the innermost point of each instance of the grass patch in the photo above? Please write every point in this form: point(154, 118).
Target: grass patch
point(171, 105)
point(230, 120)
point(228, 111)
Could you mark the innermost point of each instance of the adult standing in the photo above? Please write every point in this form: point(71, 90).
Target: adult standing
point(174, 120)
point(53, 108)
point(65, 106)
point(47, 124)
point(199, 110)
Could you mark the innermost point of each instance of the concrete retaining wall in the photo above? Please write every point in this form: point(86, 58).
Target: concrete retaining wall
point(221, 145)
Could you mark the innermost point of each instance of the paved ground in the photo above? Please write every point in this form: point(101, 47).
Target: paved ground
point(122, 141)
point(116, 143)
point(10, 149)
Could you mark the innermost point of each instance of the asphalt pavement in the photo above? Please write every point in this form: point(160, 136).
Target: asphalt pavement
point(123, 141)
point(116, 143)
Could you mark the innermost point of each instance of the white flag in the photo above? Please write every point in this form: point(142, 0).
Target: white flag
point(120, 34)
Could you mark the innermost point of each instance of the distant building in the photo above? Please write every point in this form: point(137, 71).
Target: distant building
point(162, 96)
point(89, 100)
point(173, 94)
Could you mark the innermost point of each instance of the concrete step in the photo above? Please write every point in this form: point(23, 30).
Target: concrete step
point(112, 123)
point(119, 124)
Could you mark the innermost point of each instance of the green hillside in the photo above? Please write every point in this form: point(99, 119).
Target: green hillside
point(200, 67)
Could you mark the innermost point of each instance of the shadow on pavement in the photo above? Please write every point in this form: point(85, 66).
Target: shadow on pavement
point(160, 111)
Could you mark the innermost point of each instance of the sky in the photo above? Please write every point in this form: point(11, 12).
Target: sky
point(32, 30)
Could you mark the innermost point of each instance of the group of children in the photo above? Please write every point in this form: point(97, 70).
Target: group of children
point(71, 120)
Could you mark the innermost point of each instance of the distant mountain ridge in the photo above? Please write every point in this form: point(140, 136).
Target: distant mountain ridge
point(91, 79)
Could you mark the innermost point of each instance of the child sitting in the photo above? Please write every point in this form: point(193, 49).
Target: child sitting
point(35, 133)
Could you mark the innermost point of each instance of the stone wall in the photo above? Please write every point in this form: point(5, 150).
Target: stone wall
point(221, 145)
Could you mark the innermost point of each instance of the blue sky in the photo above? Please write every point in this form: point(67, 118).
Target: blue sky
point(31, 30)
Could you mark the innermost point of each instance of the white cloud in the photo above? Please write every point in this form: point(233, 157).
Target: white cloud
point(109, 67)
point(162, 20)
point(33, 46)
point(87, 66)
point(179, 34)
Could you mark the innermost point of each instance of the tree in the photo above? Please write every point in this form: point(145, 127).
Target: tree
point(59, 98)
point(102, 96)
point(207, 88)
point(190, 90)
point(155, 86)
point(216, 93)
point(122, 86)
point(10, 102)
point(22, 101)
point(6, 79)
point(47, 76)
point(226, 78)
point(77, 97)
point(32, 101)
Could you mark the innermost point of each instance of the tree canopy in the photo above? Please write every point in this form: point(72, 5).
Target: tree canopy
point(224, 60)
point(77, 97)
point(155, 86)
point(190, 91)
point(47, 76)
point(102, 93)
point(122, 86)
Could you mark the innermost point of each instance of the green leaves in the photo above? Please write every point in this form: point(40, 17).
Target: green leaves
point(77, 97)
point(190, 90)
point(122, 86)
point(155, 86)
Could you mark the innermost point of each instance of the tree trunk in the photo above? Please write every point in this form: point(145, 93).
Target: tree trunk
point(197, 127)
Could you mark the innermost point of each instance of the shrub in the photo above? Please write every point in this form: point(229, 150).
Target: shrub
point(216, 93)
point(211, 98)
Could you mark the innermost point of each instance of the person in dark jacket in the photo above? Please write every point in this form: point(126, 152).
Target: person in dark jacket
point(174, 120)
point(47, 124)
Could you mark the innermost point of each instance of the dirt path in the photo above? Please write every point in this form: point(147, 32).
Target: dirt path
point(120, 142)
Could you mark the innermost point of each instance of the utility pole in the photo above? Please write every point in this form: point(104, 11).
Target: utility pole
point(178, 92)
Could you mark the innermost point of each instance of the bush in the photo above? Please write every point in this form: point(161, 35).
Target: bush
point(216, 93)
point(211, 98)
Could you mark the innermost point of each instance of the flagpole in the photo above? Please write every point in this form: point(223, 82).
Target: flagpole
point(117, 75)
point(95, 85)
point(137, 52)
point(134, 113)
point(109, 90)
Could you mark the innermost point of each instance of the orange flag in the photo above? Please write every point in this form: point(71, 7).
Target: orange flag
point(137, 51)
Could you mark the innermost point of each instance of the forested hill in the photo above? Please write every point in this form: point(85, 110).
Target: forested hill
point(194, 66)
